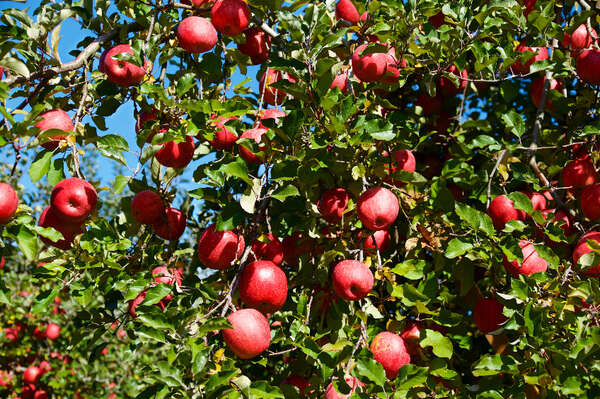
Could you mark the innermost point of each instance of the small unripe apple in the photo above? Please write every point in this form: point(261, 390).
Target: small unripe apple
point(540, 53)
point(390, 350)
point(176, 155)
point(54, 119)
point(68, 230)
point(352, 280)
point(196, 35)
point(581, 38)
point(250, 335)
point(299, 382)
point(32, 374)
point(381, 242)
point(369, 67)
point(219, 249)
point(333, 204)
point(256, 46)
point(582, 248)
point(430, 105)
point(588, 65)
point(488, 315)
point(501, 210)
point(346, 10)
point(295, 246)
point(225, 138)
point(119, 72)
point(263, 286)
point(73, 200)
point(52, 331)
point(377, 208)
point(532, 262)
point(269, 249)
point(352, 382)
point(271, 95)
point(246, 154)
point(9, 201)
point(171, 225)
point(230, 17)
point(147, 207)
point(448, 88)
point(537, 89)
point(590, 201)
point(579, 172)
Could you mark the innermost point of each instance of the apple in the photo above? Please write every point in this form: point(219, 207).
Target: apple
point(69, 230)
point(171, 225)
point(340, 81)
point(352, 382)
point(73, 200)
point(438, 20)
point(9, 201)
point(196, 35)
point(199, 3)
point(28, 391)
point(581, 38)
point(382, 239)
point(271, 95)
point(390, 350)
point(588, 65)
point(529, 6)
point(164, 275)
point(299, 382)
point(250, 335)
point(268, 249)
point(176, 155)
point(270, 113)
point(538, 201)
point(579, 172)
point(532, 262)
point(392, 72)
point(447, 87)
point(6, 379)
point(245, 153)
point(377, 208)
point(501, 210)
point(40, 394)
point(55, 119)
point(560, 217)
point(52, 331)
point(257, 45)
point(590, 201)
point(488, 315)
point(401, 160)
point(39, 332)
point(430, 105)
point(369, 67)
point(537, 89)
point(147, 207)
point(45, 366)
point(230, 17)
point(122, 73)
point(219, 249)
point(352, 280)
point(582, 248)
point(540, 53)
point(11, 334)
point(133, 304)
point(411, 336)
point(263, 286)
point(225, 138)
point(295, 246)
point(333, 204)
point(32, 374)
point(2, 262)
point(346, 10)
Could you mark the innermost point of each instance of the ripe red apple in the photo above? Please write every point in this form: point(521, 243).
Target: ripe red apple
point(430, 105)
point(299, 382)
point(144, 117)
point(389, 350)
point(401, 160)
point(447, 87)
point(269, 249)
point(147, 207)
point(488, 315)
point(540, 53)
point(369, 67)
point(271, 95)
point(11, 334)
point(270, 113)
point(133, 304)
point(532, 262)
point(196, 35)
point(73, 200)
point(230, 17)
point(45, 366)
point(263, 286)
point(28, 391)
point(579, 172)
point(537, 89)
point(6, 379)
point(333, 203)
point(40, 394)
point(2, 262)
point(501, 210)
point(257, 45)
point(68, 230)
point(377, 208)
point(392, 72)
point(256, 135)
point(164, 275)
point(352, 382)
point(122, 73)
point(52, 331)
point(581, 38)
point(176, 155)
point(588, 65)
point(352, 280)
point(39, 332)
point(9, 201)
point(225, 138)
point(32, 374)
point(54, 119)
point(382, 239)
point(538, 201)
point(590, 201)
point(250, 335)
point(561, 217)
point(219, 249)
point(411, 336)
point(171, 225)
point(340, 81)
point(346, 10)
point(582, 248)
point(295, 246)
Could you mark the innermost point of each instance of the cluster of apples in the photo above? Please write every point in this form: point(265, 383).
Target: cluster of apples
point(162, 275)
point(149, 208)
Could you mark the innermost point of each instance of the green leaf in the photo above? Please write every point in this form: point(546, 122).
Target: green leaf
point(514, 122)
point(369, 368)
point(120, 183)
point(441, 345)
point(185, 83)
point(154, 318)
point(28, 242)
point(282, 192)
point(456, 248)
point(521, 202)
point(40, 166)
point(236, 169)
point(43, 300)
point(215, 324)
point(155, 294)
point(476, 219)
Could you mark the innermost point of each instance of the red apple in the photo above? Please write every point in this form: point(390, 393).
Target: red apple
point(164, 275)
point(352, 280)
point(540, 53)
point(346, 10)
point(176, 155)
point(537, 89)
point(502, 210)
point(39, 332)
point(250, 335)
point(219, 249)
point(270, 113)
point(196, 35)
point(382, 239)
point(538, 201)
point(68, 230)
point(6, 379)
point(411, 336)
point(532, 262)
point(582, 248)
point(430, 105)
point(32, 374)
point(11, 334)
point(340, 81)
point(273, 96)
point(333, 203)
point(119, 72)
point(438, 20)
point(245, 153)
point(256, 46)
point(401, 160)
point(581, 38)
point(225, 138)
point(52, 331)
point(133, 304)
point(73, 200)
point(447, 87)
point(377, 208)
point(40, 394)
point(147, 207)
point(144, 117)
point(352, 382)
point(45, 366)
point(392, 72)
point(2, 262)
point(55, 119)
point(488, 315)
point(369, 67)
point(230, 17)
point(389, 350)
point(269, 249)
point(295, 246)
point(299, 382)
point(28, 391)
point(263, 286)
point(590, 201)
point(171, 225)
point(561, 217)
point(579, 172)
point(529, 6)
point(9, 201)
point(588, 65)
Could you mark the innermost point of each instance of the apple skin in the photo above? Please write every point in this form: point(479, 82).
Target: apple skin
point(346, 10)
point(532, 262)
point(370, 67)
point(588, 65)
point(50, 219)
point(562, 217)
point(299, 382)
point(55, 119)
point(487, 314)
point(333, 204)
point(40, 394)
point(196, 35)
point(9, 201)
point(579, 172)
point(250, 335)
point(447, 88)
point(164, 275)
point(271, 250)
point(176, 155)
point(390, 350)
point(501, 210)
point(257, 45)
point(352, 280)
point(411, 336)
point(122, 73)
point(230, 17)
point(11, 334)
point(340, 81)
point(147, 207)
point(263, 286)
point(392, 72)
point(224, 137)
point(219, 249)
point(377, 208)
point(133, 304)
point(52, 331)
point(32, 374)
point(382, 239)
point(352, 382)
point(430, 105)
point(538, 201)
point(582, 248)
point(537, 89)
point(271, 95)
point(171, 225)
point(270, 113)
point(294, 246)
point(6, 379)
point(73, 200)
point(401, 160)
point(590, 201)
point(581, 38)
point(246, 154)
point(541, 53)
